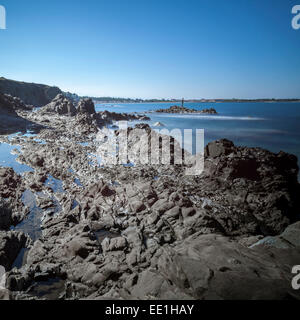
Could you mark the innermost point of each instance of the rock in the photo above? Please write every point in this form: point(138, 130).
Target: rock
point(291, 235)
point(12, 210)
point(76, 248)
point(87, 123)
point(218, 148)
point(209, 111)
point(10, 121)
point(12, 104)
point(86, 106)
point(5, 216)
point(152, 286)
point(11, 243)
point(288, 239)
point(158, 124)
point(143, 126)
point(213, 267)
point(36, 161)
point(60, 105)
point(150, 231)
point(113, 244)
point(177, 109)
point(109, 117)
point(31, 93)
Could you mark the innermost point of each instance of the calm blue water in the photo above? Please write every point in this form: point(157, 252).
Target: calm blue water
point(8, 158)
point(273, 126)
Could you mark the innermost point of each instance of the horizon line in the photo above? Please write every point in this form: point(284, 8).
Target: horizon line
point(154, 99)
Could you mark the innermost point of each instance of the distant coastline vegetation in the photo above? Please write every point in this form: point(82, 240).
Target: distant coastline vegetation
point(41, 94)
point(128, 100)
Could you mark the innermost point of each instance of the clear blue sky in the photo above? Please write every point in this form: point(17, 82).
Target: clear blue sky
point(154, 48)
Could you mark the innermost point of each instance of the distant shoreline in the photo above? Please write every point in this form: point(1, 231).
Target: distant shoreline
point(132, 101)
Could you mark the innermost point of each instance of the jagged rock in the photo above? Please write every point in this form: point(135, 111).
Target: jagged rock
point(31, 93)
point(87, 123)
point(12, 104)
point(178, 109)
point(143, 126)
point(60, 105)
point(11, 190)
point(5, 216)
point(113, 116)
point(11, 243)
point(86, 106)
point(10, 121)
point(218, 148)
point(150, 231)
point(288, 239)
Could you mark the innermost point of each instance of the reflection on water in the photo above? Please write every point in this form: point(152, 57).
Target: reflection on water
point(55, 184)
point(31, 225)
point(21, 259)
point(50, 289)
point(8, 156)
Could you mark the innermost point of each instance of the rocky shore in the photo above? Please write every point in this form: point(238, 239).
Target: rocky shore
point(72, 228)
point(10, 120)
point(177, 109)
point(31, 93)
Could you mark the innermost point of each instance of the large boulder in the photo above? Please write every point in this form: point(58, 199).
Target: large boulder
point(86, 106)
point(61, 105)
point(257, 190)
point(218, 148)
point(11, 242)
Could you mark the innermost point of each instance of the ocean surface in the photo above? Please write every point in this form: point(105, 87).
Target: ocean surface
point(272, 126)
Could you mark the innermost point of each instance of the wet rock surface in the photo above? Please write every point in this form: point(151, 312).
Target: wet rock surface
point(135, 231)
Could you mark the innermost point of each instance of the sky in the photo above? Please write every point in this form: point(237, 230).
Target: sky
point(154, 48)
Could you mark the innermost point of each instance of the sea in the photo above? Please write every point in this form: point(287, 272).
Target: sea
point(274, 126)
